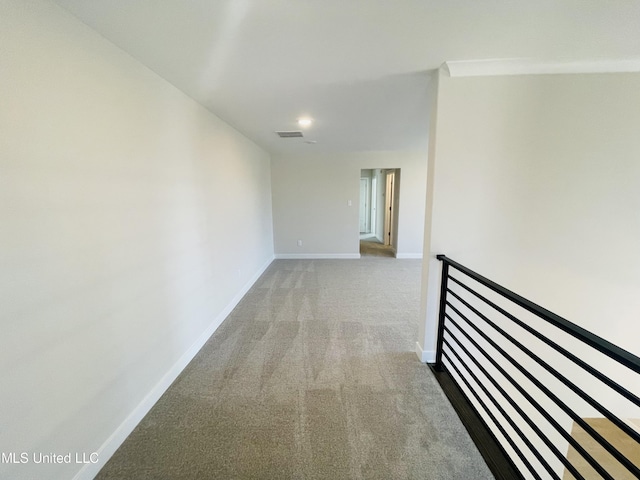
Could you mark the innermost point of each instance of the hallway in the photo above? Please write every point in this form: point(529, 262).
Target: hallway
point(313, 375)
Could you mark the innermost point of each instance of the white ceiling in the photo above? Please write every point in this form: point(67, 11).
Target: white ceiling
point(360, 68)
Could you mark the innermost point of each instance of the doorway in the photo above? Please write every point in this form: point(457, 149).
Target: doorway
point(379, 193)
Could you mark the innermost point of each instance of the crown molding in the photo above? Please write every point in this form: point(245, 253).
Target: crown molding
point(524, 66)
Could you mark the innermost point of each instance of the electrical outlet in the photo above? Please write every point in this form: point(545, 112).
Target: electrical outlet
point(299, 243)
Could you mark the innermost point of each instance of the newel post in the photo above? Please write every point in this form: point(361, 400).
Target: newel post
point(443, 303)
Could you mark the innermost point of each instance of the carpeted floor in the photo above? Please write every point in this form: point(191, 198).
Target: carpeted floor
point(371, 247)
point(312, 376)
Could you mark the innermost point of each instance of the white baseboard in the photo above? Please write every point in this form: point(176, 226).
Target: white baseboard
point(108, 448)
point(409, 255)
point(317, 256)
point(348, 256)
point(425, 356)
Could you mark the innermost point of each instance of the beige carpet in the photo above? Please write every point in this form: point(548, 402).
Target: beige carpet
point(371, 247)
point(313, 376)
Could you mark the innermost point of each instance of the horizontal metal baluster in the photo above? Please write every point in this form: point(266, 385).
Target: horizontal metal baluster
point(529, 398)
point(613, 351)
point(606, 380)
point(623, 357)
point(517, 429)
point(599, 438)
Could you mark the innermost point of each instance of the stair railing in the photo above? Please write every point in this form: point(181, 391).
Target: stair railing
point(538, 383)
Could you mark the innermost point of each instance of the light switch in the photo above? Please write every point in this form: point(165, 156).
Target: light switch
point(349, 203)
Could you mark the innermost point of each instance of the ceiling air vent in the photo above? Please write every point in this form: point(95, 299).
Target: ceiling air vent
point(289, 134)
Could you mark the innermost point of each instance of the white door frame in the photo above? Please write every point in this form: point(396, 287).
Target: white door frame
point(389, 208)
point(374, 203)
point(365, 206)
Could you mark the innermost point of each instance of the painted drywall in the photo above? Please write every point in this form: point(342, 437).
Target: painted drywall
point(536, 177)
point(535, 185)
point(131, 220)
point(311, 197)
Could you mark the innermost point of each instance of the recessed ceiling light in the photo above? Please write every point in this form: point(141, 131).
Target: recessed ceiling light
point(304, 122)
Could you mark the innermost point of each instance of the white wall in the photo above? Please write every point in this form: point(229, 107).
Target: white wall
point(131, 220)
point(536, 178)
point(311, 195)
point(535, 185)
